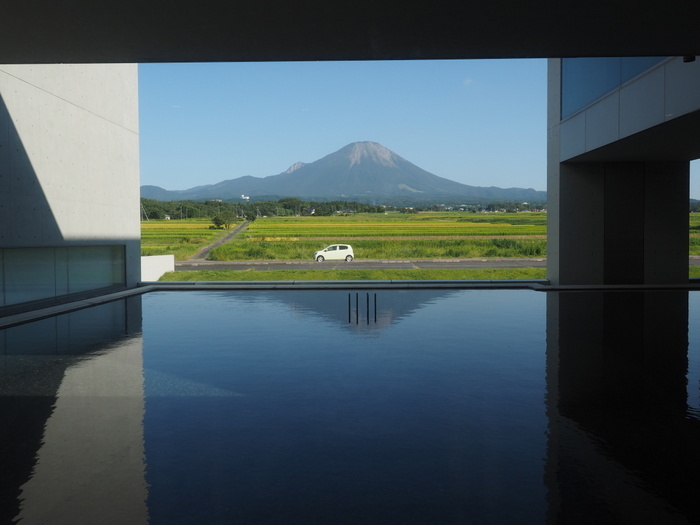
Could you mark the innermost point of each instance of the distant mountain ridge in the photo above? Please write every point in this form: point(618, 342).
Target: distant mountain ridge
point(363, 171)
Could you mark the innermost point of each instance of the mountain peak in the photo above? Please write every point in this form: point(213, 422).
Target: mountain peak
point(360, 170)
point(294, 167)
point(371, 152)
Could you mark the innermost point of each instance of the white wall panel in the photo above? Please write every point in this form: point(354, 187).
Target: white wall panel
point(668, 91)
point(573, 136)
point(603, 122)
point(682, 88)
point(642, 103)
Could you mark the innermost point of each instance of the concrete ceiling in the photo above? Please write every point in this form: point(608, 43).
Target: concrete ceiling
point(50, 31)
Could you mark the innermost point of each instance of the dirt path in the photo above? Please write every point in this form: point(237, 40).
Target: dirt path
point(204, 252)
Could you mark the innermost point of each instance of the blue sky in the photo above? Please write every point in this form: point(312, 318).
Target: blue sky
point(479, 122)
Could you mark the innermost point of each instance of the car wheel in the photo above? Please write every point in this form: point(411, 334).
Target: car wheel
point(319, 258)
point(349, 258)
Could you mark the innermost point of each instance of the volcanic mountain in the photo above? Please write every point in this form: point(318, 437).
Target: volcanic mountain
point(359, 171)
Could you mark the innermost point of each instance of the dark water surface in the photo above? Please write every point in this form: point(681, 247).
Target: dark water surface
point(325, 407)
point(271, 407)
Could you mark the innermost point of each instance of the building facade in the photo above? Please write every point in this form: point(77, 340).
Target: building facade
point(621, 135)
point(69, 180)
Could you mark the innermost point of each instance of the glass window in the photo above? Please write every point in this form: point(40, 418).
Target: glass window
point(585, 80)
point(40, 273)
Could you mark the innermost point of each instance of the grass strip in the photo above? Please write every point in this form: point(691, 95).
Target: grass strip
point(357, 275)
point(367, 275)
point(243, 250)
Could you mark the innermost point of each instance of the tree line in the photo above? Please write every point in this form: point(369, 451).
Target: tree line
point(229, 212)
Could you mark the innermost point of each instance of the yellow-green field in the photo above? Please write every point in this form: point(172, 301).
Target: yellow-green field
point(393, 225)
point(373, 236)
point(393, 236)
point(182, 238)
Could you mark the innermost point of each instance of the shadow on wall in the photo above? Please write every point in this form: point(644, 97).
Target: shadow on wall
point(36, 261)
point(25, 213)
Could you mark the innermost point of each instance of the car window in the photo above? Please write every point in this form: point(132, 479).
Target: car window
point(331, 248)
point(342, 247)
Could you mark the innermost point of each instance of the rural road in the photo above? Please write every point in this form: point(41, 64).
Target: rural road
point(371, 264)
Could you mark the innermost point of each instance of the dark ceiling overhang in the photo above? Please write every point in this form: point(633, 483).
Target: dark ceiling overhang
point(83, 31)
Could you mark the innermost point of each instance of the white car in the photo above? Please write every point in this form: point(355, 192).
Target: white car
point(335, 252)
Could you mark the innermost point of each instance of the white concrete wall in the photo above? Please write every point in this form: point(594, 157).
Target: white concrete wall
point(153, 267)
point(69, 159)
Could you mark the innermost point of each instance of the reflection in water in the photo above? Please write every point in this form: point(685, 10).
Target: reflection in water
point(623, 445)
point(367, 311)
point(270, 407)
point(437, 418)
point(72, 409)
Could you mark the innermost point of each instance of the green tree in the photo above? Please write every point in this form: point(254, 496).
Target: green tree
point(292, 203)
point(227, 218)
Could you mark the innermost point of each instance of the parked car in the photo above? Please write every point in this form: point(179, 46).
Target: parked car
point(335, 252)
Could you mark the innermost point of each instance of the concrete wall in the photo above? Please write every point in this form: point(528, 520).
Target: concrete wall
point(657, 96)
point(69, 177)
point(154, 266)
point(618, 179)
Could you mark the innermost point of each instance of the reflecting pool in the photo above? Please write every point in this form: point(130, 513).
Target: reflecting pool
point(389, 406)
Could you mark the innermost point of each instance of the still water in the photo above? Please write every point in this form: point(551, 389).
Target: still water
point(325, 407)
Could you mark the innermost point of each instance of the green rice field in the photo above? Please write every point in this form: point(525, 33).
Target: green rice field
point(181, 238)
point(398, 225)
point(426, 235)
point(694, 238)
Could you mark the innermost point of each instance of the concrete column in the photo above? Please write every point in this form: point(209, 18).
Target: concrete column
point(620, 223)
point(667, 190)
